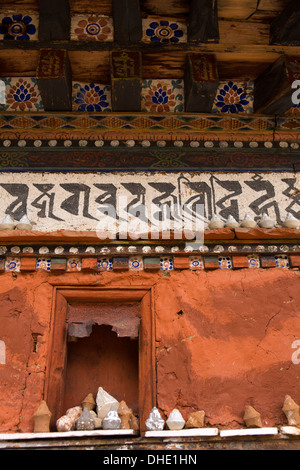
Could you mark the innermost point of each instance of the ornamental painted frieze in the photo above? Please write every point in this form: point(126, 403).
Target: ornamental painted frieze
point(120, 202)
point(233, 98)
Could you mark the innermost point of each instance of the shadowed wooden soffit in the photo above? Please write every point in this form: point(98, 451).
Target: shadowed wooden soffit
point(223, 59)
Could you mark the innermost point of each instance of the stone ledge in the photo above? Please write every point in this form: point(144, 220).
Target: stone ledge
point(194, 432)
point(67, 434)
point(249, 432)
point(70, 236)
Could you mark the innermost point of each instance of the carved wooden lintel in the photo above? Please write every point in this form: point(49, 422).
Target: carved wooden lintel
point(54, 20)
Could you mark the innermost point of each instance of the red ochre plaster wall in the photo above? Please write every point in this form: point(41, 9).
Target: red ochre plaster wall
point(223, 340)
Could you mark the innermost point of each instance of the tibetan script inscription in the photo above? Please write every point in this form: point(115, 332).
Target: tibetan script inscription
point(51, 63)
point(126, 65)
point(204, 67)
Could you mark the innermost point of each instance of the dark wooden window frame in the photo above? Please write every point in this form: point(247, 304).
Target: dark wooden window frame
point(57, 352)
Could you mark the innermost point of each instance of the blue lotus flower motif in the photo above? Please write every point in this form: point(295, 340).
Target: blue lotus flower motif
point(17, 27)
point(231, 98)
point(160, 97)
point(91, 98)
point(163, 31)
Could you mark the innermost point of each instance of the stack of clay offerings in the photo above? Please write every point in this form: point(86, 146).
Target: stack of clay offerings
point(252, 418)
point(175, 421)
point(103, 413)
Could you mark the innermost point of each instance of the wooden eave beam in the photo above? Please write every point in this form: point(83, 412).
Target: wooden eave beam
point(273, 88)
point(127, 21)
point(54, 20)
point(203, 21)
point(285, 28)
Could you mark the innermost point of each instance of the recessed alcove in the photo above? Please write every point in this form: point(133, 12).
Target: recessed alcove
point(102, 359)
point(101, 338)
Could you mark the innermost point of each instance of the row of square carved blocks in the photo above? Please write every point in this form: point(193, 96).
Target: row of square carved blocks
point(139, 263)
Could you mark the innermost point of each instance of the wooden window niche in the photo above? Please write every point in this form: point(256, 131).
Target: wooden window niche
point(82, 341)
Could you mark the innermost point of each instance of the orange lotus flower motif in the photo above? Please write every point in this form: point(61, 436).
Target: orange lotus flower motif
point(93, 29)
point(160, 98)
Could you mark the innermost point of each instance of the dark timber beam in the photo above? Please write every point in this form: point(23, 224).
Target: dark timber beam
point(54, 79)
point(126, 79)
point(54, 20)
point(127, 21)
point(285, 28)
point(201, 82)
point(273, 88)
point(203, 23)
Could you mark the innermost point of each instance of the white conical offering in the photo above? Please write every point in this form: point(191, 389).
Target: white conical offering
point(104, 402)
point(7, 223)
point(155, 421)
point(231, 222)
point(112, 419)
point(215, 222)
point(266, 221)
point(291, 221)
point(175, 421)
point(24, 223)
point(248, 222)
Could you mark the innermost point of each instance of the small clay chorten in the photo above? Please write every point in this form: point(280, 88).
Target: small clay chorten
point(291, 411)
point(134, 423)
point(252, 417)
point(195, 419)
point(42, 418)
point(175, 421)
point(88, 402)
point(125, 414)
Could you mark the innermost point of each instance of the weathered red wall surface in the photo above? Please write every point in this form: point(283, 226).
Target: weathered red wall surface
point(230, 345)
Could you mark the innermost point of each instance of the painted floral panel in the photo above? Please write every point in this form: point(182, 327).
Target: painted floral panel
point(196, 262)
point(19, 27)
point(12, 264)
point(282, 261)
point(136, 263)
point(105, 264)
point(91, 97)
point(43, 264)
point(21, 94)
point(92, 28)
point(162, 96)
point(234, 97)
point(225, 262)
point(253, 261)
point(74, 264)
point(163, 31)
point(166, 264)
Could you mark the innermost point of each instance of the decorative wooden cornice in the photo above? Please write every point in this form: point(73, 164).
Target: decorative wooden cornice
point(136, 141)
point(66, 251)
